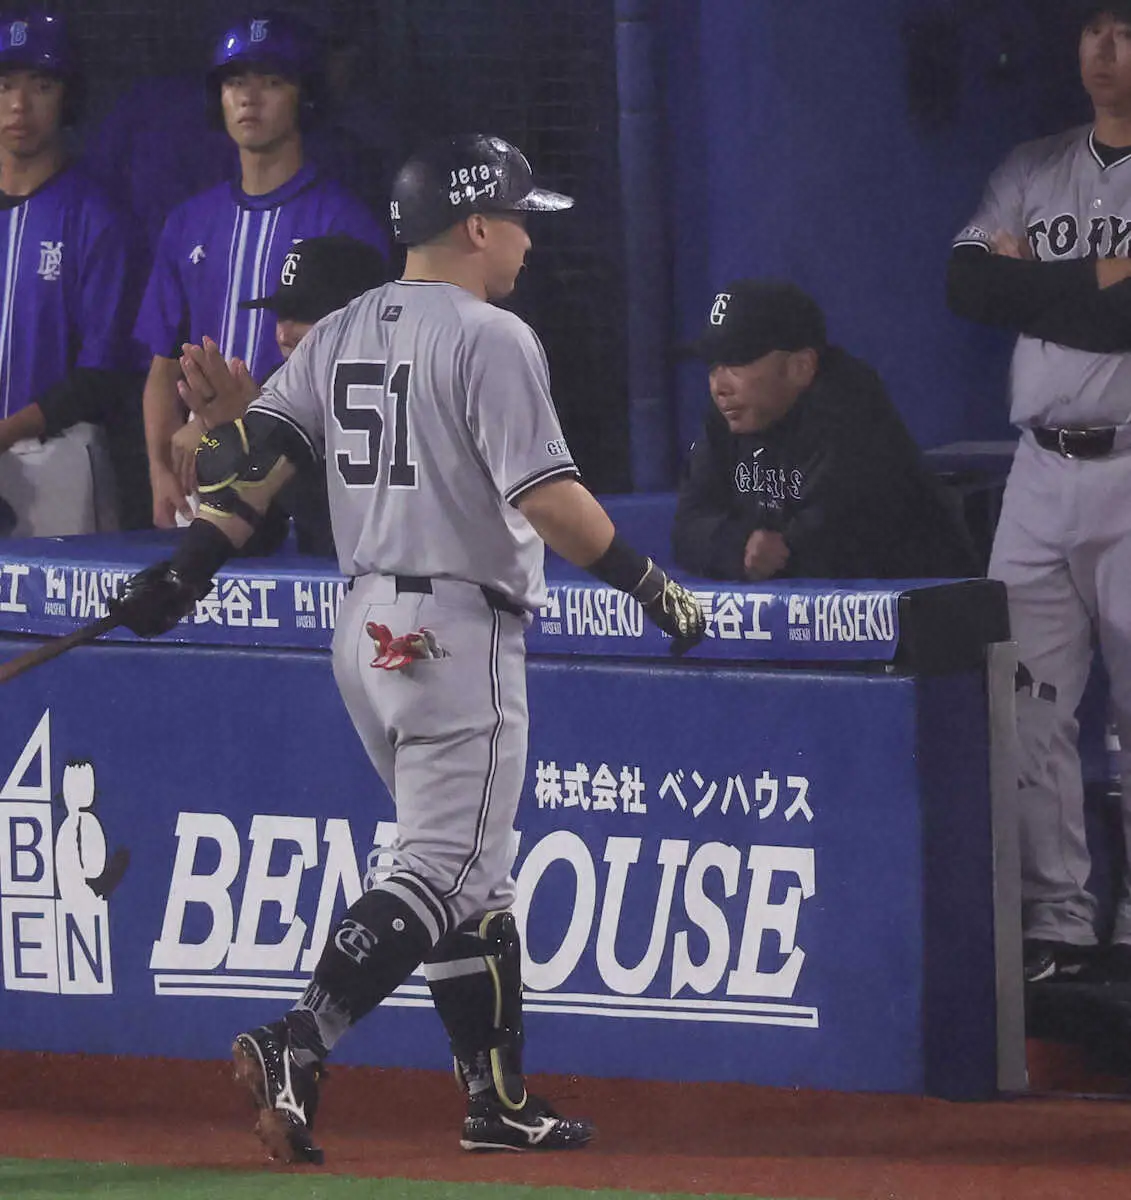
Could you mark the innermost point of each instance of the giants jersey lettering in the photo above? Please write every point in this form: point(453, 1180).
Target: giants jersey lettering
point(434, 413)
point(224, 246)
point(1058, 195)
point(67, 299)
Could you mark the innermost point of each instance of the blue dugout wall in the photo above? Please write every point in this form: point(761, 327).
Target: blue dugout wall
point(839, 144)
point(763, 862)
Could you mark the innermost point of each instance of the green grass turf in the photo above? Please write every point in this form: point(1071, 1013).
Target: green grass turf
point(41, 1179)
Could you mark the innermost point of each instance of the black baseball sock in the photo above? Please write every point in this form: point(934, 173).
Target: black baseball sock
point(377, 944)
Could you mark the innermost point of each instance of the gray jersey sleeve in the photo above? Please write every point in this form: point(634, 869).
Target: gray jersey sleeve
point(1002, 206)
point(293, 396)
point(509, 409)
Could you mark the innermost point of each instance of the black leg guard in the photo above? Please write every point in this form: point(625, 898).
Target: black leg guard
point(378, 943)
point(475, 975)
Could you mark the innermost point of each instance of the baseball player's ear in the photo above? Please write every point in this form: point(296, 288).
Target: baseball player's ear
point(803, 366)
point(476, 228)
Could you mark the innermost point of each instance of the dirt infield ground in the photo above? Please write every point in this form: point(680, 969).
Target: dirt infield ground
point(653, 1137)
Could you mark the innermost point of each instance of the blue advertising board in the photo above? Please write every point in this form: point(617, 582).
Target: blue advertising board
point(51, 586)
point(725, 872)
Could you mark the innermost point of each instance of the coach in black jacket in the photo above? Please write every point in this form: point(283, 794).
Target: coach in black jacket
point(804, 468)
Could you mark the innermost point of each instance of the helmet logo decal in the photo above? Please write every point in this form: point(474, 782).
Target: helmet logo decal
point(18, 32)
point(463, 184)
point(259, 31)
point(394, 210)
point(290, 268)
point(719, 308)
point(453, 177)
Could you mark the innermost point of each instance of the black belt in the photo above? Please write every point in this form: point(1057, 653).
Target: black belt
point(1077, 443)
point(423, 585)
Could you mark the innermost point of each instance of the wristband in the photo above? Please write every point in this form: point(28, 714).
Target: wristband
point(621, 566)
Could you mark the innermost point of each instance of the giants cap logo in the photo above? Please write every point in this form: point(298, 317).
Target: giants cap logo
point(18, 33)
point(719, 308)
point(259, 31)
point(290, 268)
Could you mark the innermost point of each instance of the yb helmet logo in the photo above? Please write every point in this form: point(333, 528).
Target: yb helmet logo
point(719, 308)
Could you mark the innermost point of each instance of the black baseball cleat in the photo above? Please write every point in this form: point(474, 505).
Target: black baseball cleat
point(489, 1125)
point(285, 1093)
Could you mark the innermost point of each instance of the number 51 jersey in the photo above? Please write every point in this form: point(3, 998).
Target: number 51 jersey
point(433, 411)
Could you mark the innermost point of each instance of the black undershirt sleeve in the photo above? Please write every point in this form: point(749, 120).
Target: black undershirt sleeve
point(1057, 302)
point(86, 394)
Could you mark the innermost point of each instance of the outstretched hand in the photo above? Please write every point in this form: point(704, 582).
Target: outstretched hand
point(215, 390)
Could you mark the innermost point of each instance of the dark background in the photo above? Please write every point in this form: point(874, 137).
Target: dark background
point(837, 143)
point(540, 74)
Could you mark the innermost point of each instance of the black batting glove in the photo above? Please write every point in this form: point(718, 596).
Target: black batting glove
point(672, 607)
point(154, 600)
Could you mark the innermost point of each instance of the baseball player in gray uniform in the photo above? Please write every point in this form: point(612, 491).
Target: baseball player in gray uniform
point(447, 472)
point(1046, 256)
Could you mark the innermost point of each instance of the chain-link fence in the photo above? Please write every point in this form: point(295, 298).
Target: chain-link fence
point(538, 72)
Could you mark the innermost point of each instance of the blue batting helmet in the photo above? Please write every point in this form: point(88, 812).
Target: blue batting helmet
point(272, 42)
point(39, 42)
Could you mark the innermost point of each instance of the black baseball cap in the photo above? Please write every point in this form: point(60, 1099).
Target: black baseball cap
point(321, 275)
point(751, 318)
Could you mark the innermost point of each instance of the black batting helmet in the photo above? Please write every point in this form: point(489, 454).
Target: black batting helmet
point(456, 176)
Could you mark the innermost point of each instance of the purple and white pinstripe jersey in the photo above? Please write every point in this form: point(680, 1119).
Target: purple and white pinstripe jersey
point(224, 246)
point(67, 298)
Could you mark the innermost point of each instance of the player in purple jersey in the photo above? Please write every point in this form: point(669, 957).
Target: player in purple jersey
point(319, 276)
point(66, 302)
point(228, 244)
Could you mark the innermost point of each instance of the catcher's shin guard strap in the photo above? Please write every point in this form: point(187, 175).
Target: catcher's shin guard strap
point(475, 975)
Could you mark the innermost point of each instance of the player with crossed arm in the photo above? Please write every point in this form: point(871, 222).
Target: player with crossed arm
point(68, 297)
point(1045, 255)
point(447, 473)
point(228, 244)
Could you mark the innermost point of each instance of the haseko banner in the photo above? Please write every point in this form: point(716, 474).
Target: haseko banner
point(51, 586)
